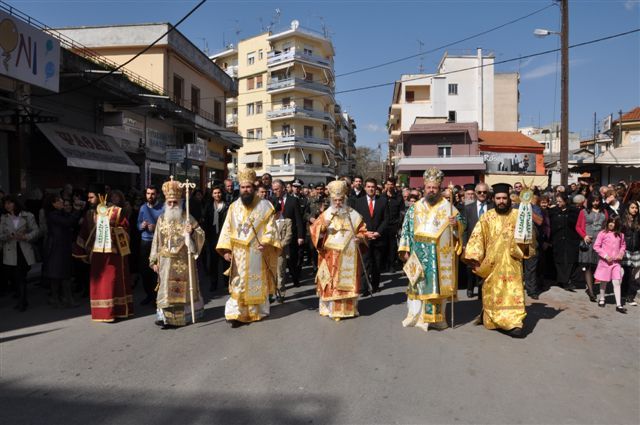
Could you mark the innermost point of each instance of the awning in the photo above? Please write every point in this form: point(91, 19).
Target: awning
point(84, 149)
point(413, 163)
point(623, 156)
point(251, 158)
point(159, 168)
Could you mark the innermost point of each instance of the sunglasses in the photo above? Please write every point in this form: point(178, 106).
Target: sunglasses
point(481, 192)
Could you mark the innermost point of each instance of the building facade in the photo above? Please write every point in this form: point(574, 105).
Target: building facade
point(465, 89)
point(286, 111)
point(186, 109)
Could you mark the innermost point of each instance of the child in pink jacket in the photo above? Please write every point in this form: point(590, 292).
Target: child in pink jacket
point(610, 246)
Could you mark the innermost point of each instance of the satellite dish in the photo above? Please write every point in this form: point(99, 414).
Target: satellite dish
point(295, 24)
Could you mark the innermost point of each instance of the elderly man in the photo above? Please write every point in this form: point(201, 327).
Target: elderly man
point(336, 234)
point(472, 213)
point(430, 239)
point(496, 256)
point(175, 239)
point(249, 241)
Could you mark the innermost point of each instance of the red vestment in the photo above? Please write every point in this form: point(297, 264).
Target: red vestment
point(110, 282)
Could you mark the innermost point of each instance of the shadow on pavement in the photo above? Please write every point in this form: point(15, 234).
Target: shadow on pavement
point(369, 306)
point(79, 405)
point(465, 311)
point(536, 312)
point(14, 337)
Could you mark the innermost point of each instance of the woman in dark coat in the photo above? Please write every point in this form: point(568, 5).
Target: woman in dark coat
point(57, 251)
point(565, 241)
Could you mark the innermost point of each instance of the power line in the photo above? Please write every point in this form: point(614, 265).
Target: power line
point(368, 68)
point(531, 55)
point(143, 51)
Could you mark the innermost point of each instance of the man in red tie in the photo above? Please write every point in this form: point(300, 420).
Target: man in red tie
point(374, 211)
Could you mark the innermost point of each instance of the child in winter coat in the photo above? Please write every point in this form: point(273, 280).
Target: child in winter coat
point(611, 247)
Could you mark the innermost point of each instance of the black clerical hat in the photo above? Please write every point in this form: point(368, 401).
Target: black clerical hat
point(469, 186)
point(501, 188)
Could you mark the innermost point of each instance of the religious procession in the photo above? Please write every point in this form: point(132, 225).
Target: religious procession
point(253, 237)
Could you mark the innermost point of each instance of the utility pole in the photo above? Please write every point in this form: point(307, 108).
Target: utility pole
point(564, 118)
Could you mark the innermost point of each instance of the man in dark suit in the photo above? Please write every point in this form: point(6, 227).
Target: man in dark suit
point(230, 194)
point(288, 207)
point(215, 212)
point(356, 192)
point(472, 213)
point(374, 211)
point(395, 205)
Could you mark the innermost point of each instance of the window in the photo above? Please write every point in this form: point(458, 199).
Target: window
point(217, 112)
point(259, 133)
point(251, 108)
point(258, 107)
point(259, 82)
point(308, 131)
point(286, 101)
point(286, 158)
point(178, 89)
point(251, 134)
point(251, 83)
point(453, 89)
point(409, 96)
point(260, 54)
point(195, 99)
point(444, 151)
point(286, 130)
point(309, 159)
point(308, 105)
point(308, 77)
point(251, 58)
point(452, 116)
point(308, 51)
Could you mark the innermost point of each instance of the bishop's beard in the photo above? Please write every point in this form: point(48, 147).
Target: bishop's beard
point(173, 213)
point(247, 199)
point(432, 198)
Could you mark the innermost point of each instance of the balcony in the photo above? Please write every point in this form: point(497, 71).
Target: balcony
point(293, 142)
point(232, 120)
point(300, 169)
point(288, 112)
point(276, 86)
point(232, 71)
point(274, 58)
point(231, 101)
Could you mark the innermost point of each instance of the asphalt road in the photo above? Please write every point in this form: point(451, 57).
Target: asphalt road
point(579, 364)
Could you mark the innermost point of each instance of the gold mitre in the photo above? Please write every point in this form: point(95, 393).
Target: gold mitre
point(248, 175)
point(433, 175)
point(172, 190)
point(337, 189)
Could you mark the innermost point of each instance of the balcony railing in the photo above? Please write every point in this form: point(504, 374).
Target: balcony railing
point(292, 141)
point(298, 83)
point(300, 168)
point(274, 58)
point(232, 71)
point(295, 111)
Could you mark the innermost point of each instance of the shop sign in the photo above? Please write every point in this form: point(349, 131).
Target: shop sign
point(28, 54)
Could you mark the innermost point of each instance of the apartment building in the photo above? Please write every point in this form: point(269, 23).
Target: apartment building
point(286, 111)
point(464, 89)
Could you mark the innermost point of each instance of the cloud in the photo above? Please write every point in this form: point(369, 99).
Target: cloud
point(548, 69)
point(629, 4)
point(375, 128)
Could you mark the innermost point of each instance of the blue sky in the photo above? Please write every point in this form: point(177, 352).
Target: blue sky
point(604, 77)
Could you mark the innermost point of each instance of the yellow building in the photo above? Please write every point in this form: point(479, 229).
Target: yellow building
point(192, 88)
point(285, 110)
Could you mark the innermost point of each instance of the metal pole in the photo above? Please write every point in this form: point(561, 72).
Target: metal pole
point(564, 119)
point(187, 186)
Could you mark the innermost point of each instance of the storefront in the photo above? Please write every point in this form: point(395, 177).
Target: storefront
point(215, 172)
point(84, 157)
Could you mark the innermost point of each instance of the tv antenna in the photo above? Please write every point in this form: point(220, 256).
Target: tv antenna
point(206, 45)
point(420, 48)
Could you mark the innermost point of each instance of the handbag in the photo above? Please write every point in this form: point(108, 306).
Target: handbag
point(584, 246)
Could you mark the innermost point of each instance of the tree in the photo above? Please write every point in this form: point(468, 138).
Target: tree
point(369, 163)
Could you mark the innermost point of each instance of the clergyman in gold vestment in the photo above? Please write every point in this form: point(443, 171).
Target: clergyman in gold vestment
point(496, 257)
point(249, 241)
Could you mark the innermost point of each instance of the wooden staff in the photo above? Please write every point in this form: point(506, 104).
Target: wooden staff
point(187, 186)
point(454, 275)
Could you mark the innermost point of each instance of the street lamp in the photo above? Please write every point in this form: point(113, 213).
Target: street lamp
point(564, 88)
